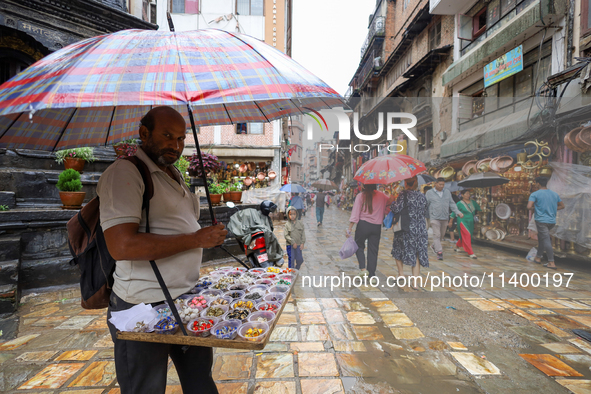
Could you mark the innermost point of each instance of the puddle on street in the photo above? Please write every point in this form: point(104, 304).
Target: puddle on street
point(385, 369)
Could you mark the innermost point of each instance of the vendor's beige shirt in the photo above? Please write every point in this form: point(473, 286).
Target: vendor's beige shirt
point(173, 210)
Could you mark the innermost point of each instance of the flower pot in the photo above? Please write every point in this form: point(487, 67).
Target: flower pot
point(236, 196)
point(74, 163)
point(119, 151)
point(72, 200)
point(215, 198)
point(227, 196)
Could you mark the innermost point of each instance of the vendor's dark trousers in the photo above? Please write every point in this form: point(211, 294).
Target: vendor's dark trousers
point(299, 212)
point(544, 241)
point(371, 233)
point(141, 366)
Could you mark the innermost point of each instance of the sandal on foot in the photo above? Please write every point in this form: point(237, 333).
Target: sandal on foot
point(552, 268)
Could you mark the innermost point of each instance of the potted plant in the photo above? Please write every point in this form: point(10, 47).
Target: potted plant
point(69, 185)
point(183, 164)
point(227, 194)
point(210, 163)
point(75, 158)
point(215, 192)
point(125, 148)
point(236, 191)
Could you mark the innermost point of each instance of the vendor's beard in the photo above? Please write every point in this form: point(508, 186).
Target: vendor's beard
point(157, 155)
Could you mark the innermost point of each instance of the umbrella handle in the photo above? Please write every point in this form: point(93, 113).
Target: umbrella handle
point(203, 176)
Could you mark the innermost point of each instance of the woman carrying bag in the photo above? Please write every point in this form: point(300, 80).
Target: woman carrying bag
point(466, 224)
point(410, 242)
point(368, 212)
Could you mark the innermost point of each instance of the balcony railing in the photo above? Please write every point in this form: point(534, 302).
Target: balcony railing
point(377, 28)
point(367, 69)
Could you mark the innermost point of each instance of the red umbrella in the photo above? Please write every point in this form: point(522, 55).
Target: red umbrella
point(389, 169)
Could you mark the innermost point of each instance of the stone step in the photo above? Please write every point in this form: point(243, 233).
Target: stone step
point(8, 199)
point(9, 298)
point(9, 272)
point(10, 248)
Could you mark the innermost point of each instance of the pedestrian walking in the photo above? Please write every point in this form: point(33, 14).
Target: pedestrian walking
point(297, 202)
point(368, 213)
point(545, 203)
point(320, 207)
point(468, 208)
point(410, 244)
point(454, 224)
point(295, 237)
point(439, 203)
point(176, 242)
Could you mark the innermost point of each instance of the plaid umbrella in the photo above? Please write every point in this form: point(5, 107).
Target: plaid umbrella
point(324, 184)
point(94, 92)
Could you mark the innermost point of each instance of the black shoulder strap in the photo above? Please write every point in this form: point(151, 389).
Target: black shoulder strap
point(148, 194)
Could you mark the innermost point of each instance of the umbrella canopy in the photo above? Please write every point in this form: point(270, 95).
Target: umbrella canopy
point(94, 92)
point(292, 188)
point(453, 186)
point(324, 184)
point(388, 169)
point(425, 178)
point(483, 179)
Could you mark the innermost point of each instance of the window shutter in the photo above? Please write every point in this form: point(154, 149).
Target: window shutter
point(464, 27)
point(465, 107)
point(191, 6)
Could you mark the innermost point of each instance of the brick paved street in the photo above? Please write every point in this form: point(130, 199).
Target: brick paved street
point(358, 340)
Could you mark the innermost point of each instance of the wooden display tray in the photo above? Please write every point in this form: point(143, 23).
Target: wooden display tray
point(210, 341)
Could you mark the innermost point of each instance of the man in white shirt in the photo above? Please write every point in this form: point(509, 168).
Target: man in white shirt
point(439, 202)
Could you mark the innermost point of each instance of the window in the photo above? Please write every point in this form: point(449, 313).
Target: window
point(405, 4)
point(509, 92)
point(184, 6)
point(425, 137)
point(9, 67)
point(250, 7)
point(250, 128)
point(149, 11)
point(435, 35)
point(585, 17)
point(479, 23)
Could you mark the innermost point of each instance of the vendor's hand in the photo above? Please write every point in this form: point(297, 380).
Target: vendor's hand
point(295, 246)
point(210, 237)
point(302, 247)
point(348, 233)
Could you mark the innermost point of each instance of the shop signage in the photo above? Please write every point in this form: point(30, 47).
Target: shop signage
point(503, 67)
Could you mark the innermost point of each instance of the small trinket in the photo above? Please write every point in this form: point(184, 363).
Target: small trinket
point(268, 307)
point(166, 324)
point(235, 295)
point(197, 302)
point(238, 314)
point(275, 298)
point(214, 312)
point(164, 312)
point(253, 332)
point(253, 296)
point(288, 270)
point(274, 270)
point(284, 282)
point(262, 319)
point(140, 326)
point(225, 330)
point(219, 301)
point(244, 304)
point(202, 326)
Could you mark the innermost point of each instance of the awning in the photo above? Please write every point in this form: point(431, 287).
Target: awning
point(498, 131)
point(428, 63)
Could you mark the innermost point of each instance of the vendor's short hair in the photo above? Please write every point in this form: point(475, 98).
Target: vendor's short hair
point(440, 179)
point(542, 180)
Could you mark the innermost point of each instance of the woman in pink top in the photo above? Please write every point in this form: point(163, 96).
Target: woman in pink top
point(368, 212)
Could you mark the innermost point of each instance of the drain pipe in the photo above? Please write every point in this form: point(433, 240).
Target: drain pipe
point(569, 39)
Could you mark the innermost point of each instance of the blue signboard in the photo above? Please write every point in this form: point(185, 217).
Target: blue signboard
point(503, 67)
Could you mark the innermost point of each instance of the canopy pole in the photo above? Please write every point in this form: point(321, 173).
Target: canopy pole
point(203, 175)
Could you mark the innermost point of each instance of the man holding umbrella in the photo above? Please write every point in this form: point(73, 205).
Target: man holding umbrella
point(176, 241)
point(439, 202)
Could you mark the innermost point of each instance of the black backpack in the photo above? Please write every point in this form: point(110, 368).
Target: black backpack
point(89, 248)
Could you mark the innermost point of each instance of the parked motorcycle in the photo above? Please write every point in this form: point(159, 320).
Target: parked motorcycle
point(253, 230)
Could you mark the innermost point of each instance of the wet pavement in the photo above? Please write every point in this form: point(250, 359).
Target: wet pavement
point(490, 338)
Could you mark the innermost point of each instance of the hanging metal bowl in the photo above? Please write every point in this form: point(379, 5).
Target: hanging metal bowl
point(469, 167)
point(447, 173)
